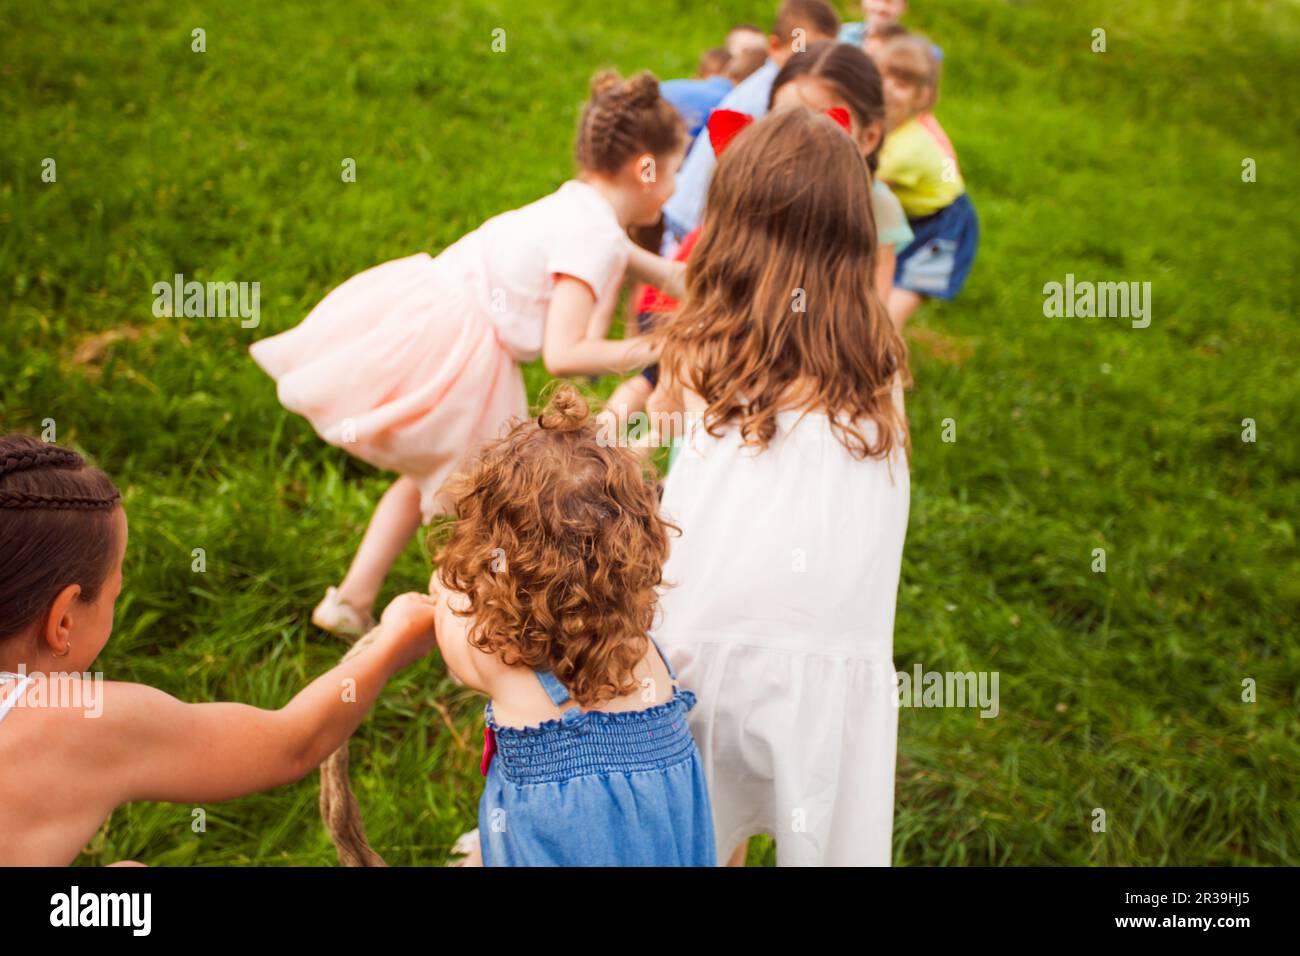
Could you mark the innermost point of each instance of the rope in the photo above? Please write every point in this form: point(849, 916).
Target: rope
point(338, 805)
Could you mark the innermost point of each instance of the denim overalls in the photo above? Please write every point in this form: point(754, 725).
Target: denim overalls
point(596, 789)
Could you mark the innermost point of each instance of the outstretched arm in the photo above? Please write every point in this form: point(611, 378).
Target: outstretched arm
point(154, 747)
point(664, 274)
point(567, 350)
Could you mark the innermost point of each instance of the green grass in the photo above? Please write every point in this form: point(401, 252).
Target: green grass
point(1119, 691)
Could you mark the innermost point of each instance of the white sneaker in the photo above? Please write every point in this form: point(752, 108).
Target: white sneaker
point(335, 616)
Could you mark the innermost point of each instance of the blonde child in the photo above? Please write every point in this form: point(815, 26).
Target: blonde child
point(550, 571)
point(920, 166)
point(791, 492)
point(411, 364)
point(78, 746)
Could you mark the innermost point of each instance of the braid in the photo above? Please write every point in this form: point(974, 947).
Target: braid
point(29, 501)
point(20, 455)
point(47, 456)
point(57, 528)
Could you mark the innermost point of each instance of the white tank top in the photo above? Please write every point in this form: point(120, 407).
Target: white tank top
point(8, 702)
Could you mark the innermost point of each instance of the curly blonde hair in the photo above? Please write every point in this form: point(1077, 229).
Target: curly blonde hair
point(558, 545)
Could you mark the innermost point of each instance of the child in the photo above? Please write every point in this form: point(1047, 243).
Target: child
point(792, 497)
point(877, 15)
point(876, 40)
point(828, 76)
point(408, 366)
point(552, 567)
point(798, 22)
point(651, 304)
point(879, 24)
point(696, 97)
point(838, 76)
point(718, 73)
point(78, 746)
point(918, 163)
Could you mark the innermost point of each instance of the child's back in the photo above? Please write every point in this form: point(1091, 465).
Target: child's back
point(921, 167)
point(552, 566)
point(792, 558)
point(792, 497)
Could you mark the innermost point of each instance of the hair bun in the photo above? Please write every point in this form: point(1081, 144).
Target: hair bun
point(565, 411)
point(641, 90)
point(605, 81)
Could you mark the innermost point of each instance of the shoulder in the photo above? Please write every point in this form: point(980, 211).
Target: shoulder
point(883, 195)
point(94, 720)
point(907, 132)
point(580, 208)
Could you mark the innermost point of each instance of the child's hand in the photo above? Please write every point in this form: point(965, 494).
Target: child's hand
point(410, 619)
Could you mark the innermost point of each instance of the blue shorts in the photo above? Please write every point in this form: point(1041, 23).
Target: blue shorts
point(937, 261)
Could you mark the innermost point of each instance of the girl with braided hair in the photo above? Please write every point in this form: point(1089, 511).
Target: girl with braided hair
point(412, 364)
point(98, 744)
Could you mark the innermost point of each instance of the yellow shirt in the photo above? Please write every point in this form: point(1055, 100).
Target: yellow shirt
point(918, 163)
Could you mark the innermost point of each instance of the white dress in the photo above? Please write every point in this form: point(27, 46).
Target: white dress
point(778, 612)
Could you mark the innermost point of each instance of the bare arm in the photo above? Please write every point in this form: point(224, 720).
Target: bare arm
point(567, 350)
point(664, 274)
point(157, 748)
point(602, 317)
point(461, 657)
point(886, 259)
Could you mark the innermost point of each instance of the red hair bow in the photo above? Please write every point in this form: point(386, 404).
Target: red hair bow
point(725, 124)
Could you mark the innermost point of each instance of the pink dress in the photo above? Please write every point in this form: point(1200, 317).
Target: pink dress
point(411, 364)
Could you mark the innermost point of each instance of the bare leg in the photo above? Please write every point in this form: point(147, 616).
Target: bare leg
point(742, 851)
point(902, 303)
point(395, 521)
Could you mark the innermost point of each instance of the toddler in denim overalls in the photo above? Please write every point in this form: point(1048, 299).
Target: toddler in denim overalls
point(549, 575)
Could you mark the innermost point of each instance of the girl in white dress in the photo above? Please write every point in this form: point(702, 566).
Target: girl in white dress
point(792, 495)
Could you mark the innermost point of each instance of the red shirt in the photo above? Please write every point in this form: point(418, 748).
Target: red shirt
point(652, 300)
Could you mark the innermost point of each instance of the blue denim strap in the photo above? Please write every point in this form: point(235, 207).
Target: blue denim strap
point(558, 693)
point(574, 718)
point(671, 673)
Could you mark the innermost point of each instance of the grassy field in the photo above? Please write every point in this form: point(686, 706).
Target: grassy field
point(1119, 690)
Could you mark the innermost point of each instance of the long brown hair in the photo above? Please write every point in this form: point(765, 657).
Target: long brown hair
point(558, 544)
point(56, 529)
point(779, 292)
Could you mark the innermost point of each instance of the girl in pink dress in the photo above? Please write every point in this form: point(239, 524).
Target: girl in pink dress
point(413, 363)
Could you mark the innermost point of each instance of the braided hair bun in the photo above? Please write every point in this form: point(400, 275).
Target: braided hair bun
point(56, 529)
point(567, 411)
point(623, 119)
